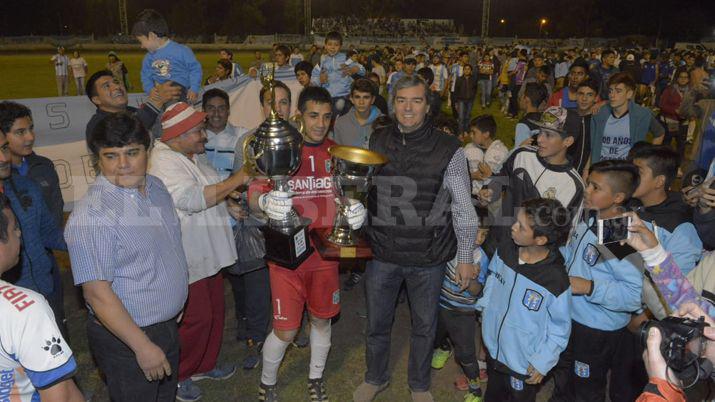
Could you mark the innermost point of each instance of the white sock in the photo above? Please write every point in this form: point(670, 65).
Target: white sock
point(273, 351)
point(319, 348)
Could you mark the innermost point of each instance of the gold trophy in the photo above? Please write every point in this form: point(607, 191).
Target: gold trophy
point(351, 172)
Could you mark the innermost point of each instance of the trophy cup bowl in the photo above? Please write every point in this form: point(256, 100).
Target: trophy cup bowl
point(351, 170)
point(274, 150)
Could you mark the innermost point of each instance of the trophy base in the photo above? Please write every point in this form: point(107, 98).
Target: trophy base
point(288, 247)
point(331, 251)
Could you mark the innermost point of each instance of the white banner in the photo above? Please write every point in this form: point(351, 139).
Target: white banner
point(60, 125)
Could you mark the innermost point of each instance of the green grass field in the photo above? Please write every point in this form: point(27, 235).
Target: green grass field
point(32, 75)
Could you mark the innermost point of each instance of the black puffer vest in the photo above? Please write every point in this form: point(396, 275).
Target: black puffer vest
point(410, 221)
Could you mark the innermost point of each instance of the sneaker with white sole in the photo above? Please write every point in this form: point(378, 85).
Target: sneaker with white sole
point(223, 372)
point(188, 391)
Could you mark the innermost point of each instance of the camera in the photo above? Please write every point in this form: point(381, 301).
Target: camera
point(681, 345)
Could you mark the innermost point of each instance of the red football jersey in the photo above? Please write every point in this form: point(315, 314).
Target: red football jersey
point(313, 197)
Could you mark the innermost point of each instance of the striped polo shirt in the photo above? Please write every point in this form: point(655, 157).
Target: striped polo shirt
point(133, 241)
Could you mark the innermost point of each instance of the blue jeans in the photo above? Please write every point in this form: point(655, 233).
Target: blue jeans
point(464, 111)
point(382, 285)
point(485, 90)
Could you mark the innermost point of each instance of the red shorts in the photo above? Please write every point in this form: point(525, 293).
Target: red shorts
point(291, 291)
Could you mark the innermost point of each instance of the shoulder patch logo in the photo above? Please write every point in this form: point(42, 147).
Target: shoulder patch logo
point(53, 346)
point(582, 369)
point(336, 297)
point(591, 254)
point(532, 300)
point(516, 384)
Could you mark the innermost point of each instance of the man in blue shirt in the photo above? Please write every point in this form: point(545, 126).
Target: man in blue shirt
point(125, 246)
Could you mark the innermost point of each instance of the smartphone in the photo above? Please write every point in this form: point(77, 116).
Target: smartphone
point(613, 230)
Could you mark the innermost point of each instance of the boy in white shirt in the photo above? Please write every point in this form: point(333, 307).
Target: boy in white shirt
point(485, 154)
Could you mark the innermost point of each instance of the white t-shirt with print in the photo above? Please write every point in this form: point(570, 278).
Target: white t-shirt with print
point(33, 354)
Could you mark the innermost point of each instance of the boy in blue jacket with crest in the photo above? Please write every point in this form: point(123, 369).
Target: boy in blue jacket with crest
point(526, 318)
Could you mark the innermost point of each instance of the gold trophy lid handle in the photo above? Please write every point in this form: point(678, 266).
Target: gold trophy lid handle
point(357, 155)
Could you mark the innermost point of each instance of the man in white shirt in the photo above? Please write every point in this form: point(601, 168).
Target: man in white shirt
point(61, 63)
point(198, 194)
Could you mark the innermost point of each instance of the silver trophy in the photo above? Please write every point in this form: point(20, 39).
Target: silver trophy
point(351, 171)
point(274, 150)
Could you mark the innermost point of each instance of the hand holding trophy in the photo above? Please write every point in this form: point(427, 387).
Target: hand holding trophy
point(274, 150)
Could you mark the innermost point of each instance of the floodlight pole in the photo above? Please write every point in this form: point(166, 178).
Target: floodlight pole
point(123, 22)
point(308, 17)
point(486, 5)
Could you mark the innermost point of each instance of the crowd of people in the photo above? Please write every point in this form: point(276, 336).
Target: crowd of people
point(512, 247)
point(350, 26)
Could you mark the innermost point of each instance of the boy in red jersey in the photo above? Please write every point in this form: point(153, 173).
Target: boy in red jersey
point(315, 282)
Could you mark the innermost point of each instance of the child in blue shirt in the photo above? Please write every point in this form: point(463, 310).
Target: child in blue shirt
point(166, 60)
point(457, 320)
point(526, 317)
point(334, 73)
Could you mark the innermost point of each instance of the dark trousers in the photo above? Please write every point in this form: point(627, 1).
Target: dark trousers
point(680, 137)
point(56, 300)
point(125, 379)
point(505, 387)
point(514, 100)
point(582, 371)
point(252, 298)
point(460, 327)
point(382, 285)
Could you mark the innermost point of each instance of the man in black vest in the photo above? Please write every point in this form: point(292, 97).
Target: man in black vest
point(420, 217)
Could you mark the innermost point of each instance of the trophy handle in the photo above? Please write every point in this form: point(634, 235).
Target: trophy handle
point(296, 118)
point(249, 157)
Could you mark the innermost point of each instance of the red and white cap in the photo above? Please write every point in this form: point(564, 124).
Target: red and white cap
point(178, 119)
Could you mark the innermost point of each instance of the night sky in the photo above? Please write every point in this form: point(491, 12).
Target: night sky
point(670, 20)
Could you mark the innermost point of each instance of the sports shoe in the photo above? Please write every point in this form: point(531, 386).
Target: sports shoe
point(440, 357)
point(352, 281)
point(188, 391)
point(267, 393)
point(316, 390)
point(222, 372)
point(474, 389)
point(461, 383)
point(253, 358)
point(366, 392)
point(470, 397)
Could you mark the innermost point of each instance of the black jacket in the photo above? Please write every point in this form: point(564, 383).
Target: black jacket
point(465, 89)
point(42, 172)
point(146, 114)
point(409, 219)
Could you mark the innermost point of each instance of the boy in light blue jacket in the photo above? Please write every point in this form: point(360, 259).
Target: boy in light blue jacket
point(335, 73)
point(606, 283)
point(526, 319)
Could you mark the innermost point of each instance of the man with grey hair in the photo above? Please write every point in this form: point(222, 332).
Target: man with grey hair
point(420, 217)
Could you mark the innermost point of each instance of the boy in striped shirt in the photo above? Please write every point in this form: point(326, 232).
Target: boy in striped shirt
point(456, 320)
